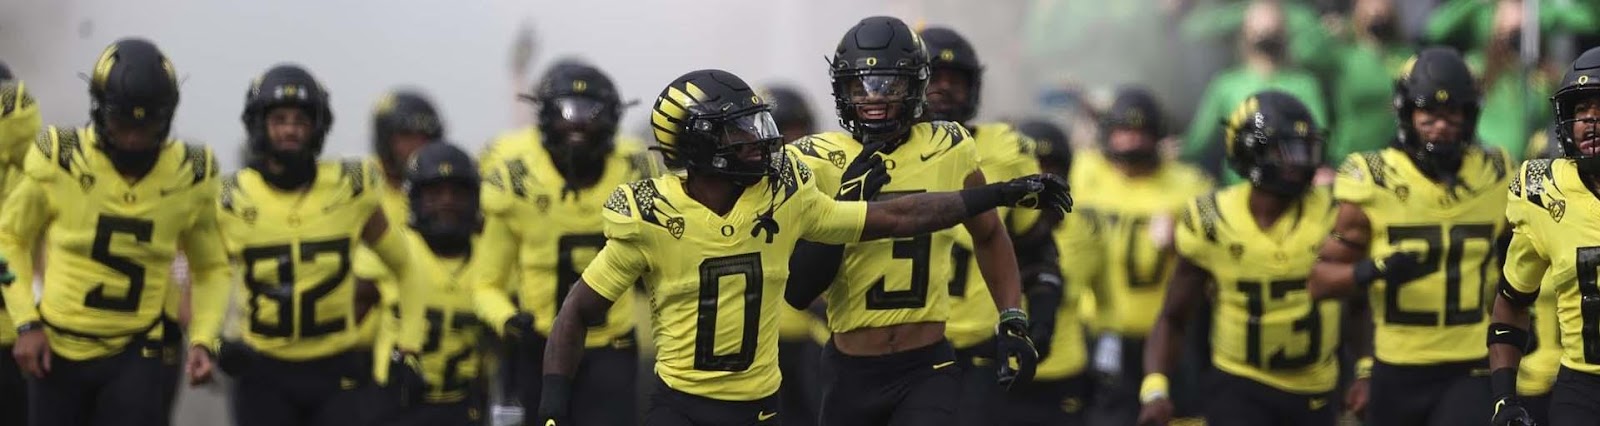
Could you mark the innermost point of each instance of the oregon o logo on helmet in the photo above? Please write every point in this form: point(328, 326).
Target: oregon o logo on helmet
point(947, 55)
point(1301, 127)
point(580, 86)
point(138, 113)
point(872, 61)
point(444, 169)
point(1583, 79)
point(1441, 95)
point(755, 99)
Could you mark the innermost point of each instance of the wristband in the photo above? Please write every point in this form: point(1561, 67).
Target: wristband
point(553, 397)
point(1153, 388)
point(1364, 367)
point(1503, 382)
point(30, 326)
point(1366, 271)
point(981, 199)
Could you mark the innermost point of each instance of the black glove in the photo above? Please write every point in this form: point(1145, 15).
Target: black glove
point(1046, 192)
point(405, 378)
point(519, 326)
point(1400, 267)
point(6, 276)
point(553, 399)
point(864, 177)
point(234, 357)
point(1013, 340)
point(1044, 295)
point(1508, 411)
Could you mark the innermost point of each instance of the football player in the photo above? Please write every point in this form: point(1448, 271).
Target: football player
point(1059, 391)
point(712, 246)
point(442, 187)
point(1417, 232)
point(1553, 253)
point(889, 360)
point(117, 198)
point(546, 186)
point(290, 223)
point(1133, 194)
point(800, 333)
point(1274, 348)
point(19, 122)
point(954, 88)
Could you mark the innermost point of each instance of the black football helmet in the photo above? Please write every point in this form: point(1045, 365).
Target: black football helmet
point(947, 50)
point(791, 112)
point(710, 121)
point(133, 84)
point(1436, 78)
point(1581, 82)
point(1051, 145)
point(579, 111)
point(880, 79)
point(447, 229)
point(1133, 108)
point(293, 86)
point(402, 111)
point(5, 72)
point(1272, 140)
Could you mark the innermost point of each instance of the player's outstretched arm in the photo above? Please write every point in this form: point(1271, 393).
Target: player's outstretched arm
point(1188, 285)
point(1333, 276)
point(583, 308)
point(390, 246)
point(918, 214)
point(209, 291)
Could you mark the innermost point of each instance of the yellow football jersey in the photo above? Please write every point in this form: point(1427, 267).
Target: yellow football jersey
point(1440, 317)
point(895, 281)
point(1264, 326)
point(1004, 155)
point(19, 123)
point(1078, 241)
point(1132, 214)
point(527, 140)
point(714, 327)
point(294, 251)
point(547, 235)
point(449, 356)
point(111, 242)
point(367, 265)
point(1556, 251)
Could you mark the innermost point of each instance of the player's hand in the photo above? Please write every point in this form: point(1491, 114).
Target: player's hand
point(519, 326)
point(1508, 411)
point(234, 358)
point(200, 365)
point(1155, 413)
point(1015, 345)
point(1046, 192)
point(864, 177)
point(1399, 267)
point(1355, 399)
point(554, 395)
point(405, 378)
point(32, 352)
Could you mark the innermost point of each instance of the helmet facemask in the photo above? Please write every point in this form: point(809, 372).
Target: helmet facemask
point(578, 133)
point(742, 146)
point(446, 213)
point(880, 105)
point(1582, 145)
point(1286, 167)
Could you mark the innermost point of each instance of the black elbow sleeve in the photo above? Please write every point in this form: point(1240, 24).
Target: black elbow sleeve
point(1519, 299)
point(811, 269)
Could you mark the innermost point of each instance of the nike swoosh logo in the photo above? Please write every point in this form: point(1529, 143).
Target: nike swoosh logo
point(1500, 332)
point(762, 416)
point(1317, 404)
point(943, 364)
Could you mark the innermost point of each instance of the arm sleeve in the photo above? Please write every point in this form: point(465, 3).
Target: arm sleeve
point(209, 261)
point(413, 291)
point(21, 221)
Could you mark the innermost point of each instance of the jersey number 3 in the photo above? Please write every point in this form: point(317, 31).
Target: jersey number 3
point(108, 227)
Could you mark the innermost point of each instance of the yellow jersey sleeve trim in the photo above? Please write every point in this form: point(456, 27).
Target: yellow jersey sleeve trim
point(1358, 176)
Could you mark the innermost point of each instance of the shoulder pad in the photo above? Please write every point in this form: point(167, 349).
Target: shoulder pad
point(646, 204)
point(359, 174)
point(949, 134)
point(232, 198)
point(57, 149)
point(516, 175)
point(823, 146)
point(1537, 177)
point(1497, 161)
point(199, 160)
point(14, 97)
point(1206, 212)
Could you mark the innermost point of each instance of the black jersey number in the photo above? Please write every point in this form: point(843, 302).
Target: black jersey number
point(568, 272)
point(1257, 295)
point(282, 291)
point(1589, 287)
point(460, 323)
point(1441, 255)
point(1137, 240)
point(705, 344)
point(962, 265)
point(107, 227)
point(918, 250)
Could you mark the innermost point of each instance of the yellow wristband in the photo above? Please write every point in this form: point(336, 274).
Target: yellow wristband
point(1364, 367)
point(1153, 388)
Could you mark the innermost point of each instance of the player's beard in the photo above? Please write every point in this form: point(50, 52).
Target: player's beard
point(298, 168)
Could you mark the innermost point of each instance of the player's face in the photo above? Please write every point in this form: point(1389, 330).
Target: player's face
point(447, 204)
point(288, 128)
point(1439, 126)
point(577, 122)
point(130, 135)
point(1586, 127)
point(403, 144)
point(879, 97)
point(1129, 140)
point(948, 90)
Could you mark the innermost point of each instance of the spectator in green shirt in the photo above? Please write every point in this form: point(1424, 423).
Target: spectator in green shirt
point(1360, 73)
point(1263, 49)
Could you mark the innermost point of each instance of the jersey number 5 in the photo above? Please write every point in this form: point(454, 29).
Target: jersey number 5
point(107, 227)
point(282, 292)
point(1433, 237)
point(712, 271)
